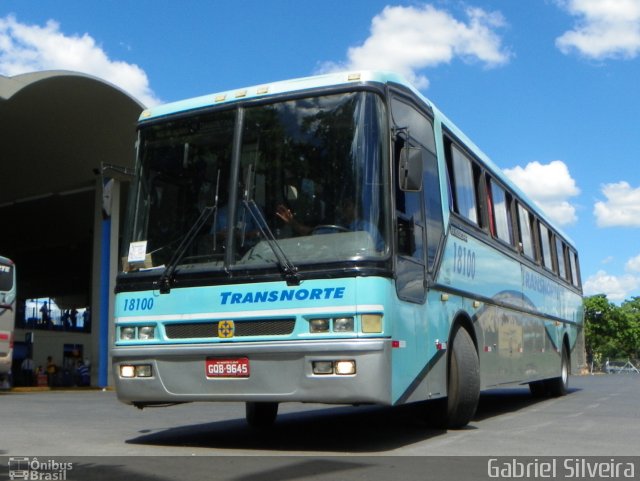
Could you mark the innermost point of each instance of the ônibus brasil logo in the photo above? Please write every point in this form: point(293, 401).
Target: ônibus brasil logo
point(38, 470)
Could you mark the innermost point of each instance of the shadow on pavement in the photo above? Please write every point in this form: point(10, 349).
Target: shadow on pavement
point(362, 429)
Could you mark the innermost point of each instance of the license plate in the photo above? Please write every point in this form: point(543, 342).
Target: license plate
point(235, 367)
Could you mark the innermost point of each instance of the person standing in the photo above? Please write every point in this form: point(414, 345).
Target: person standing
point(27, 371)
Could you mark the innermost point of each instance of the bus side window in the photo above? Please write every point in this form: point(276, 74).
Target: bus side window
point(545, 244)
point(464, 185)
point(501, 202)
point(432, 207)
point(526, 235)
point(573, 262)
point(562, 266)
point(409, 209)
point(413, 129)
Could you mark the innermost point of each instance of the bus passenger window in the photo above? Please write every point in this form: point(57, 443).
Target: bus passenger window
point(464, 185)
point(501, 211)
point(562, 268)
point(546, 247)
point(525, 232)
point(573, 261)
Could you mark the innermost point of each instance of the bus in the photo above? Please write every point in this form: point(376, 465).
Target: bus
point(334, 239)
point(7, 318)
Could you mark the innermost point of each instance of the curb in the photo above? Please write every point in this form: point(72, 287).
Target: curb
point(30, 389)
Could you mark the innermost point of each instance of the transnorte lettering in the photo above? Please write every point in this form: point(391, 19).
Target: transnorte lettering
point(284, 295)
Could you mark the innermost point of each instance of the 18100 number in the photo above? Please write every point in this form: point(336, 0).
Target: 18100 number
point(139, 304)
point(464, 261)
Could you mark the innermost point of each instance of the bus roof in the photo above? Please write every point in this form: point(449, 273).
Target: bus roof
point(335, 80)
point(270, 89)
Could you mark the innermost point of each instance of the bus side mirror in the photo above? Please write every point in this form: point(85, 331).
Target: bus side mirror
point(410, 169)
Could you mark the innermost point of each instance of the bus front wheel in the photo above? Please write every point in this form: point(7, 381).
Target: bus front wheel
point(463, 386)
point(261, 414)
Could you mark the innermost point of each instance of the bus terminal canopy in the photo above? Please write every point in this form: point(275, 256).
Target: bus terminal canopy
point(57, 130)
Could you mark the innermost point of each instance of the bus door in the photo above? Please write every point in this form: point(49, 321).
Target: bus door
point(415, 164)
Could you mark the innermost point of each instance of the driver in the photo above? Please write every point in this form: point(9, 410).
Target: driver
point(288, 218)
point(348, 216)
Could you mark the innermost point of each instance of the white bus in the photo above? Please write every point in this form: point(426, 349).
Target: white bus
point(7, 317)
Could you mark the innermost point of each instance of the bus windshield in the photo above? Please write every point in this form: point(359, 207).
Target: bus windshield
point(307, 172)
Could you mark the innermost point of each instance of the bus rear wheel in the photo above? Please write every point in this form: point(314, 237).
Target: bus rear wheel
point(559, 386)
point(463, 386)
point(261, 414)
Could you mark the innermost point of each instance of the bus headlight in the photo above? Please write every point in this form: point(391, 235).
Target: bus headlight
point(127, 333)
point(130, 371)
point(345, 368)
point(146, 332)
point(343, 324)
point(319, 325)
point(322, 367)
point(143, 370)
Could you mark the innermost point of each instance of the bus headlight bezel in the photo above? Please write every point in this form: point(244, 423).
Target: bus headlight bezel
point(146, 333)
point(318, 326)
point(343, 324)
point(128, 333)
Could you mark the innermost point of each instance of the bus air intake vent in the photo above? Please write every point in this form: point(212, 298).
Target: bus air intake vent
point(209, 330)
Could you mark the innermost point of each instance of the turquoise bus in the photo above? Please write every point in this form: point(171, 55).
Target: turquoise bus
point(334, 239)
point(7, 318)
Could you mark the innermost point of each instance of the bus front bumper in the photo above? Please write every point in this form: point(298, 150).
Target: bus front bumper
point(276, 372)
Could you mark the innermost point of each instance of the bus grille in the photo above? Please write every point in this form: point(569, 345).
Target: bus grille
point(271, 327)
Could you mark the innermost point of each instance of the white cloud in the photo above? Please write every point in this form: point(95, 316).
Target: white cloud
point(549, 186)
point(617, 288)
point(633, 264)
point(408, 39)
point(605, 29)
point(30, 48)
point(622, 207)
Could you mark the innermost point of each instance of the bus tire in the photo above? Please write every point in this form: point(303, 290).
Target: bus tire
point(463, 381)
point(261, 414)
point(463, 386)
point(559, 386)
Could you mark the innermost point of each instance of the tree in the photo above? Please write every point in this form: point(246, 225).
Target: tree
point(611, 331)
point(629, 334)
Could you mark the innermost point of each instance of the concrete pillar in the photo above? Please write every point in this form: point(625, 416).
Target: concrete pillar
point(104, 271)
point(95, 282)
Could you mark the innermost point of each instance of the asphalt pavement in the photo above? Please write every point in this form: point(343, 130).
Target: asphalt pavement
point(599, 417)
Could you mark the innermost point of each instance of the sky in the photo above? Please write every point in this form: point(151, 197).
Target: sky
point(549, 89)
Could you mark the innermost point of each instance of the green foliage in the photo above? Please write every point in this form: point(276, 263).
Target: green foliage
point(612, 331)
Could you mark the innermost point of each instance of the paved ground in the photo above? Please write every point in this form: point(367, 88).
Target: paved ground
point(600, 417)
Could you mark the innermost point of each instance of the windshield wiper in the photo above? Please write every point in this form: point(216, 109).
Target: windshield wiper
point(289, 270)
point(167, 277)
